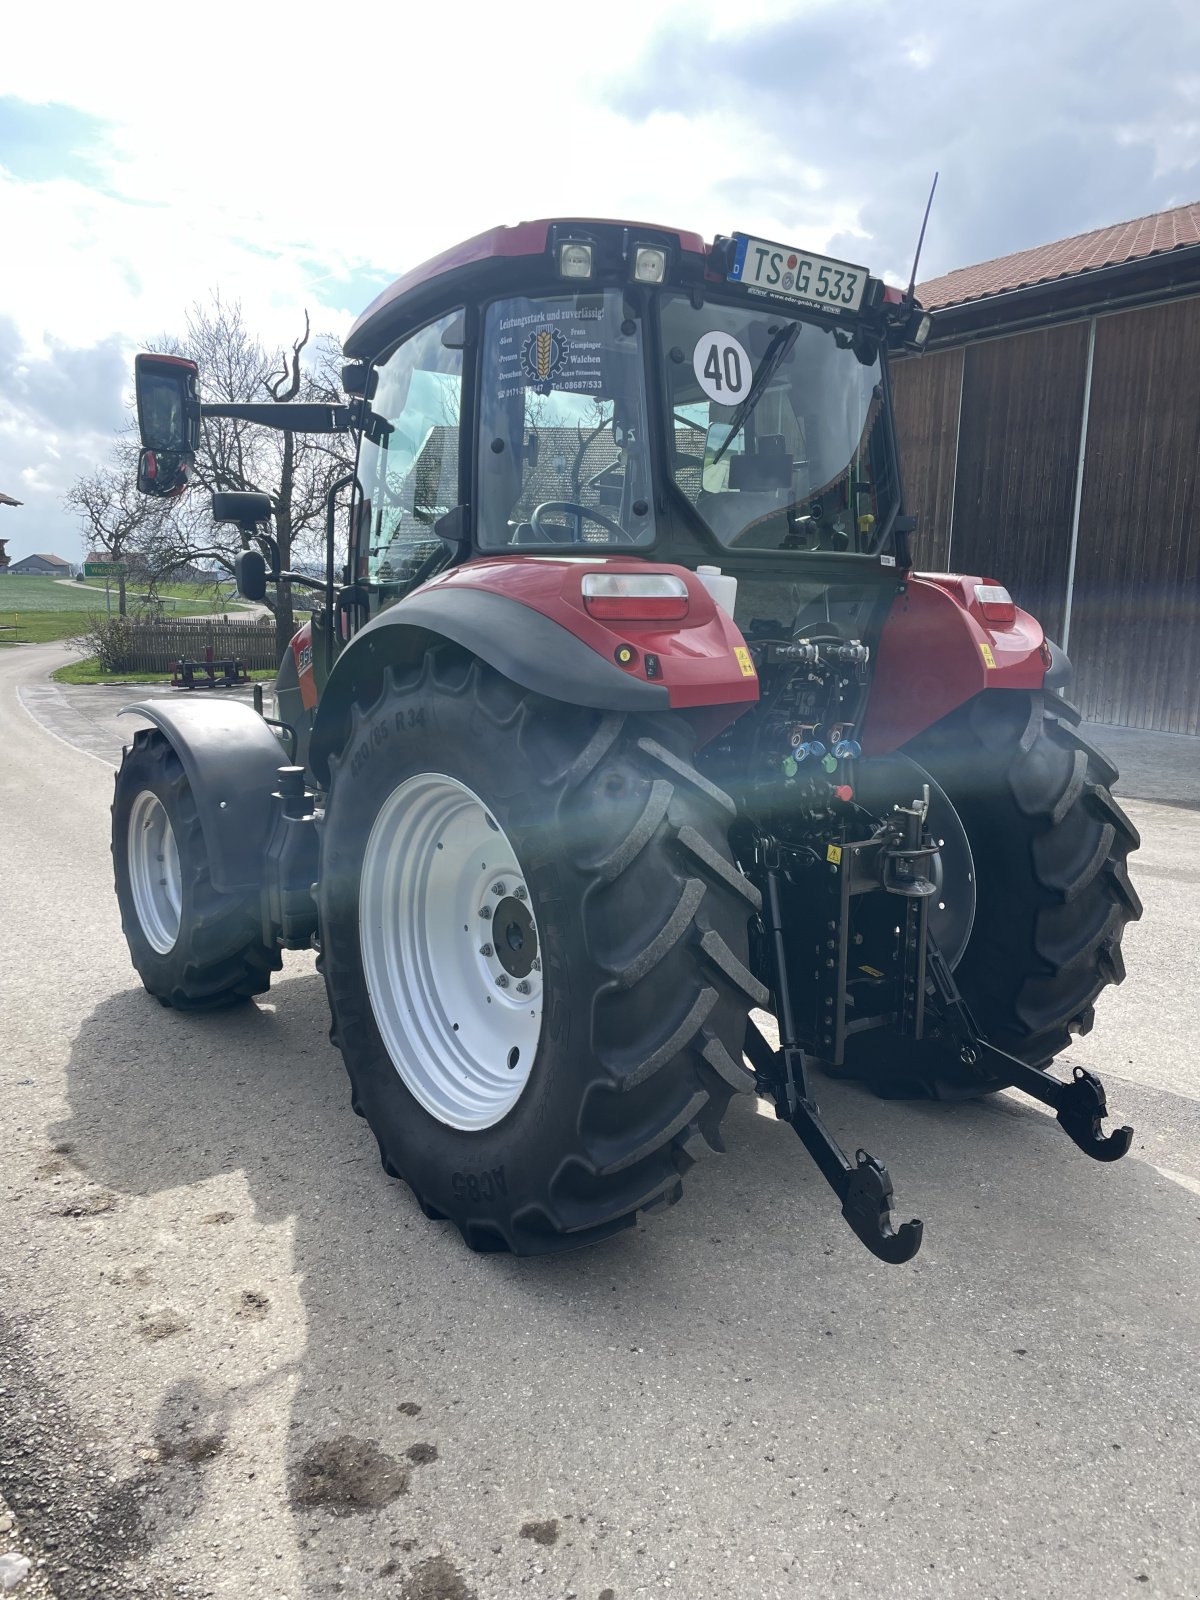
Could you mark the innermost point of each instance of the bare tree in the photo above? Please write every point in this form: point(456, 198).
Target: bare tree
point(115, 519)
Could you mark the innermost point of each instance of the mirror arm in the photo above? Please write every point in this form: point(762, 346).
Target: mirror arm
point(289, 418)
point(299, 578)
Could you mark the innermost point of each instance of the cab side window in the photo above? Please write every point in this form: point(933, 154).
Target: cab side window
point(408, 463)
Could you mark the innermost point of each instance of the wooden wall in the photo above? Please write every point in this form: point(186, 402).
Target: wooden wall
point(1135, 620)
point(926, 393)
point(993, 483)
point(1017, 453)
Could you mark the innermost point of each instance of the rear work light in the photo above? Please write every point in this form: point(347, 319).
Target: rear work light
point(635, 596)
point(574, 259)
point(649, 264)
point(995, 603)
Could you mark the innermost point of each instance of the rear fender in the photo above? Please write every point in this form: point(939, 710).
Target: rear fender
point(231, 760)
point(936, 652)
point(526, 618)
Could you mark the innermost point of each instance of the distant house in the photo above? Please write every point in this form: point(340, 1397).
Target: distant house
point(42, 566)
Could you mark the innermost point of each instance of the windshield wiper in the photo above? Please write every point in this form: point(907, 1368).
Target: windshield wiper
point(772, 360)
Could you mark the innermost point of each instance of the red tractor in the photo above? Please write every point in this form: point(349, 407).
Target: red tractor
point(625, 721)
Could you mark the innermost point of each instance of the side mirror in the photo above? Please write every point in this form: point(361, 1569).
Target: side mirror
point(359, 378)
point(250, 575)
point(714, 479)
point(168, 413)
point(245, 507)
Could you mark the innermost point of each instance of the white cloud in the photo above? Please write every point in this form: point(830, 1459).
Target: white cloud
point(296, 156)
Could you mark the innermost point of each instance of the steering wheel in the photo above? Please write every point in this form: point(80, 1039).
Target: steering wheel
point(582, 512)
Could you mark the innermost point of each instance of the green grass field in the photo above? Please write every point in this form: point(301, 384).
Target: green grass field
point(89, 670)
point(38, 610)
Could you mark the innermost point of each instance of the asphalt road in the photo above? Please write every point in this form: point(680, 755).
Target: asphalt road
point(235, 1360)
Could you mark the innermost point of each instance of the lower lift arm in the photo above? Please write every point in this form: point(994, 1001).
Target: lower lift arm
point(863, 1185)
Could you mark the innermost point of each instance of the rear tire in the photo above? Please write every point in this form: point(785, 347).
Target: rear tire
point(1053, 894)
point(640, 918)
point(195, 947)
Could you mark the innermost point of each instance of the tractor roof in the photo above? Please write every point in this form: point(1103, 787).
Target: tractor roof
point(409, 296)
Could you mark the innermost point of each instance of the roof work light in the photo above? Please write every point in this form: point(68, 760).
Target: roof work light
point(574, 259)
point(649, 263)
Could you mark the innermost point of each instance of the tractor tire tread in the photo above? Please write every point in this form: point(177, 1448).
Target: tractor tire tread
point(219, 958)
point(659, 913)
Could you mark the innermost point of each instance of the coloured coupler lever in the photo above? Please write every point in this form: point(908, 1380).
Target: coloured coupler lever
point(862, 1185)
point(1080, 1105)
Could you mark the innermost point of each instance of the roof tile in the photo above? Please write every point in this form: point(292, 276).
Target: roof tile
point(1065, 258)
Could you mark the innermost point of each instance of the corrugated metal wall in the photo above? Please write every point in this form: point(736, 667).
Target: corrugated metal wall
point(994, 479)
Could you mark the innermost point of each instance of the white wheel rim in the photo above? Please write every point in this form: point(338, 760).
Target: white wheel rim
point(154, 876)
point(450, 951)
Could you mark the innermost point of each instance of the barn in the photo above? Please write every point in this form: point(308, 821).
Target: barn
point(1050, 436)
point(42, 566)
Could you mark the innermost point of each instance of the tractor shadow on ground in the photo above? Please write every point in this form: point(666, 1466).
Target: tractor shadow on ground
point(570, 1387)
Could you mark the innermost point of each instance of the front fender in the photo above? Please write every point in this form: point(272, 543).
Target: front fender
point(525, 618)
point(231, 760)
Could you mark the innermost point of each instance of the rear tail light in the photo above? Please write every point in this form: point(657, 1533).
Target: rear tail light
point(995, 603)
point(635, 596)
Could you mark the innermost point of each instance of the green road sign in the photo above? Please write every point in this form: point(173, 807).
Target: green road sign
point(104, 569)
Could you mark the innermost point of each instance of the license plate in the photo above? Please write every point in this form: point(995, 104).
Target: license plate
point(797, 274)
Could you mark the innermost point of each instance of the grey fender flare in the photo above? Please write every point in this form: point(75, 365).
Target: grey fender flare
point(1060, 674)
point(231, 760)
point(528, 648)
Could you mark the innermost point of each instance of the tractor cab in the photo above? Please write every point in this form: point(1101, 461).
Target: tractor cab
point(599, 389)
point(603, 390)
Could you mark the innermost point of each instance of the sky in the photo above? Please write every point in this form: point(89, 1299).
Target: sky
point(303, 156)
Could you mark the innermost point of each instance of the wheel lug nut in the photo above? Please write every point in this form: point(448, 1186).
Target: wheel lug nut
point(522, 987)
point(486, 950)
point(537, 963)
point(498, 889)
point(521, 892)
point(502, 981)
point(485, 911)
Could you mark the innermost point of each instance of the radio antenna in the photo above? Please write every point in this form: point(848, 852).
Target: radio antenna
point(912, 282)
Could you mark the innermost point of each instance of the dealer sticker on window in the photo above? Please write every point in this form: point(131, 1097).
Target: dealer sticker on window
point(797, 274)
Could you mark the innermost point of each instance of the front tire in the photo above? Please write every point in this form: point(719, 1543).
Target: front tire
point(638, 916)
point(195, 947)
point(1050, 848)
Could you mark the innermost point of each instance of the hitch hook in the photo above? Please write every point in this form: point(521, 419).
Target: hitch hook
point(1081, 1108)
point(867, 1207)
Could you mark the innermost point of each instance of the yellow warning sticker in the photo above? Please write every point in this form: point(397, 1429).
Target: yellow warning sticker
point(833, 852)
point(871, 972)
point(985, 650)
point(744, 661)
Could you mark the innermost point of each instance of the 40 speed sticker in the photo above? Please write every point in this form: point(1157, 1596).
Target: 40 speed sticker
point(722, 367)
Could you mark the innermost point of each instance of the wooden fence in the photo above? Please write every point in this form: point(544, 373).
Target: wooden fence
point(157, 646)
